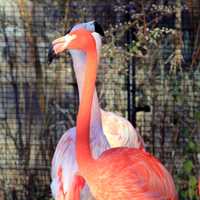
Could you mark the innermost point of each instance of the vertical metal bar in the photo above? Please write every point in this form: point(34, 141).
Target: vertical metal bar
point(131, 85)
point(131, 90)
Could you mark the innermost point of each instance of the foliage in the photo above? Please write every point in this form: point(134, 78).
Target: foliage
point(161, 81)
point(186, 177)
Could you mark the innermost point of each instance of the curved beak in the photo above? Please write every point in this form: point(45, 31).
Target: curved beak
point(58, 46)
point(51, 54)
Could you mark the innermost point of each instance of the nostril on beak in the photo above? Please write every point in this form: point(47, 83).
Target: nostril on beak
point(51, 54)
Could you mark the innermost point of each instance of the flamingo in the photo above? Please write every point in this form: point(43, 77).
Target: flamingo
point(119, 173)
point(118, 130)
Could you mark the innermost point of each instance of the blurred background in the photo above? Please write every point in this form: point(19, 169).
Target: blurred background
point(149, 73)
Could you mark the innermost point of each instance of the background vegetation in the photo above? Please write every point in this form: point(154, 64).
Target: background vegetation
point(150, 57)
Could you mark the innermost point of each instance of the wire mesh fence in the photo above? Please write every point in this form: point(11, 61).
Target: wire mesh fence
point(139, 67)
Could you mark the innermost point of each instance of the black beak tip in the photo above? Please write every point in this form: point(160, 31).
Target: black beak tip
point(67, 31)
point(99, 29)
point(51, 54)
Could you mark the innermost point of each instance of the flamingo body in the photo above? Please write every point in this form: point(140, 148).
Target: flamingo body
point(118, 132)
point(119, 173)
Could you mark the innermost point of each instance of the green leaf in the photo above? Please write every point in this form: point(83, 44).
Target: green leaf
point(191, 146)
point(183, 195)
point(197, 116)
point(190, 193)
point(198, 148)
point(185, 131)
point(187, 166)
point(192, 182)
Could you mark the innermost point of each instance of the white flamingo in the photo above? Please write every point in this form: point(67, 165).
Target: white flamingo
point(66, 183)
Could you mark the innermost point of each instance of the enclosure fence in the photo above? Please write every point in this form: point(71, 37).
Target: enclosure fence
point(142, 76)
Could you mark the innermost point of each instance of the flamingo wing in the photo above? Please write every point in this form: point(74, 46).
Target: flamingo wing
point(128, 173)
point(120, 132)
point(64, 158)
point(69, 183)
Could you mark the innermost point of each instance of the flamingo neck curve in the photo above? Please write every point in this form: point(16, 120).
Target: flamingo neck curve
point(83, 151)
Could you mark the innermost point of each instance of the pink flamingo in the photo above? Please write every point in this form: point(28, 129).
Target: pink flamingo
point(119, 173)
point(64, 166)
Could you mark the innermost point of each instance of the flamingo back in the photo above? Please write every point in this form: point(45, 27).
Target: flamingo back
point(119, 131)
point(129, 173)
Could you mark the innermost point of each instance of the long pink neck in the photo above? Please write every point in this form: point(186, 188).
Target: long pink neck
point(83, 152)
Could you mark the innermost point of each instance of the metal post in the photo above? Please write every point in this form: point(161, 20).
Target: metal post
point(131, 85)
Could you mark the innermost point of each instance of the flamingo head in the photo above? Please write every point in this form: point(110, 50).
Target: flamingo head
point(80, 39)
point(91, 26)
